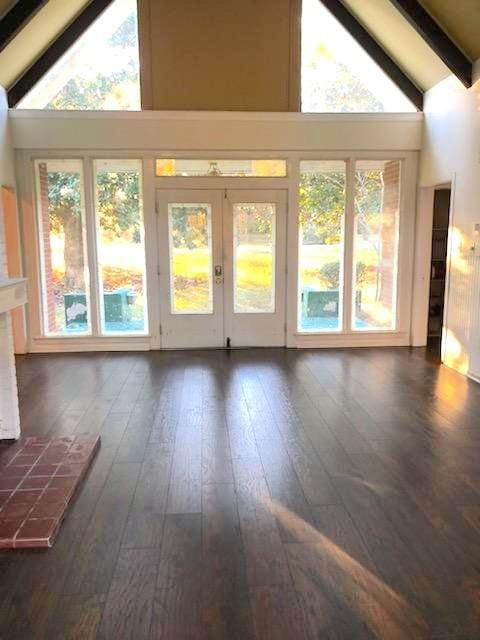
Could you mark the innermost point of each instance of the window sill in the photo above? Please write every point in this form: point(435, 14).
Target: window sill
point(349, 339)
point(350, 332)
point(51, 344)
point(87, 336)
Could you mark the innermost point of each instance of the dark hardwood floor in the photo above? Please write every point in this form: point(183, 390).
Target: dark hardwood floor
point(268, 494)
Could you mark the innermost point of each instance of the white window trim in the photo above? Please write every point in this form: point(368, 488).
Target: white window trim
point(400, 336)
point(38, 339)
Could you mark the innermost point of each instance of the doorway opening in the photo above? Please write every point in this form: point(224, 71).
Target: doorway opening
point(438, 271)
point(222, 267)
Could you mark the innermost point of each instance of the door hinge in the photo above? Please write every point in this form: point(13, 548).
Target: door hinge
point(160, 328)
point(225, 194)
point(158, 269)
point(156, 207)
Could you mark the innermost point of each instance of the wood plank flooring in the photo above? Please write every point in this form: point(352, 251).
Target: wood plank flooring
point(264, 494)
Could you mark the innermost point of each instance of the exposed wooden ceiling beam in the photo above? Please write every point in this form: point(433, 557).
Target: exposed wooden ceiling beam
point(16, 18)
point(375, 51)
point(58, 47)
point(436, 38)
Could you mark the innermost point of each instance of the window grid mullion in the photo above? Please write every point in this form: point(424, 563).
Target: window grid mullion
point(349, 231)
point(92, 252)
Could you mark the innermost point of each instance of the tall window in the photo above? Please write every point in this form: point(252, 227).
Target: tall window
point(369, 252)
point(322, 209)
point(120, 246)
point(66, 265)
point(100, 71)
point(337, 74)
point(65, 280)
point(377, 201)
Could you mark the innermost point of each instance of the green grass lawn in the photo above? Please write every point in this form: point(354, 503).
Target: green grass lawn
point(254, 280)
point(254, 275)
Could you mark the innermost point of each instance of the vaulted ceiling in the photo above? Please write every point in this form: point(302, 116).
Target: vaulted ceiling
point(35, 37)
point(399, 38)
point(459, 19)
point(5, 5)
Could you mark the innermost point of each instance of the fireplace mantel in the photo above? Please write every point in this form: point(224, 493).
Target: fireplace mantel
point(13, 293)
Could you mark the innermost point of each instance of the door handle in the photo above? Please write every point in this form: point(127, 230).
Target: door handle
point(218, 271)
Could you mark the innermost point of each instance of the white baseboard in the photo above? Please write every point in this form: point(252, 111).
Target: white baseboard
point(78, 345)
point(345, 340)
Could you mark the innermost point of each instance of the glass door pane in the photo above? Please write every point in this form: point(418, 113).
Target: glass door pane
point(190, 252)
point(254, 257)
point(120, 246)
point(377, 202)
point(321, 248)
point(254, 253)
point(64, 265)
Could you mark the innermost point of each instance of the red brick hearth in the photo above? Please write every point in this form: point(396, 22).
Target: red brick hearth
point(38, 480)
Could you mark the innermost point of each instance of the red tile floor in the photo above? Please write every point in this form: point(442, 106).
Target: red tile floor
point(38, 479)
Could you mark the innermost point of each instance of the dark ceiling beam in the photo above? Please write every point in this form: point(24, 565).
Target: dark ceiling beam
point(58, 47)
point(375, 51)
point(16, 18)
point(436, 38)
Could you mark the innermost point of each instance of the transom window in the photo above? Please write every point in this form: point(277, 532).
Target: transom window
point(240, 168)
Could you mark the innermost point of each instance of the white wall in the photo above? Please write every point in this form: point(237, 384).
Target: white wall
point(157, 131)
point(152, 134)
point(6, 155)
point(451, 153)
point(8, 180)
point(9, 418)
point(6, 170)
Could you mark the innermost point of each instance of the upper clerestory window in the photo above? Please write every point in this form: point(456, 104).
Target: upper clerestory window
point(337, 75)
point(99, 72)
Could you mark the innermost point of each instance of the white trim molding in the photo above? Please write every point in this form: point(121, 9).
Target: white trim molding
point(150, 135)
point(90, 343)
point(350, 339)
point(178, 130)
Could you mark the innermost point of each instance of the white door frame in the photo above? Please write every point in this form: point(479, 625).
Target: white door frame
point(262, 329)
point(192, 330)
point(180, 330)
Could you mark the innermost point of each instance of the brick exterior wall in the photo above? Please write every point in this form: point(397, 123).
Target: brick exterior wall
point(391, 181)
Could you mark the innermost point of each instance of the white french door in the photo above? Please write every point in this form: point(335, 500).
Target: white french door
point(222, 267)
point(254, 250)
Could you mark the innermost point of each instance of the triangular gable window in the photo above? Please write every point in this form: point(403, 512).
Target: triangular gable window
point(100, 71)
point(337, 75)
